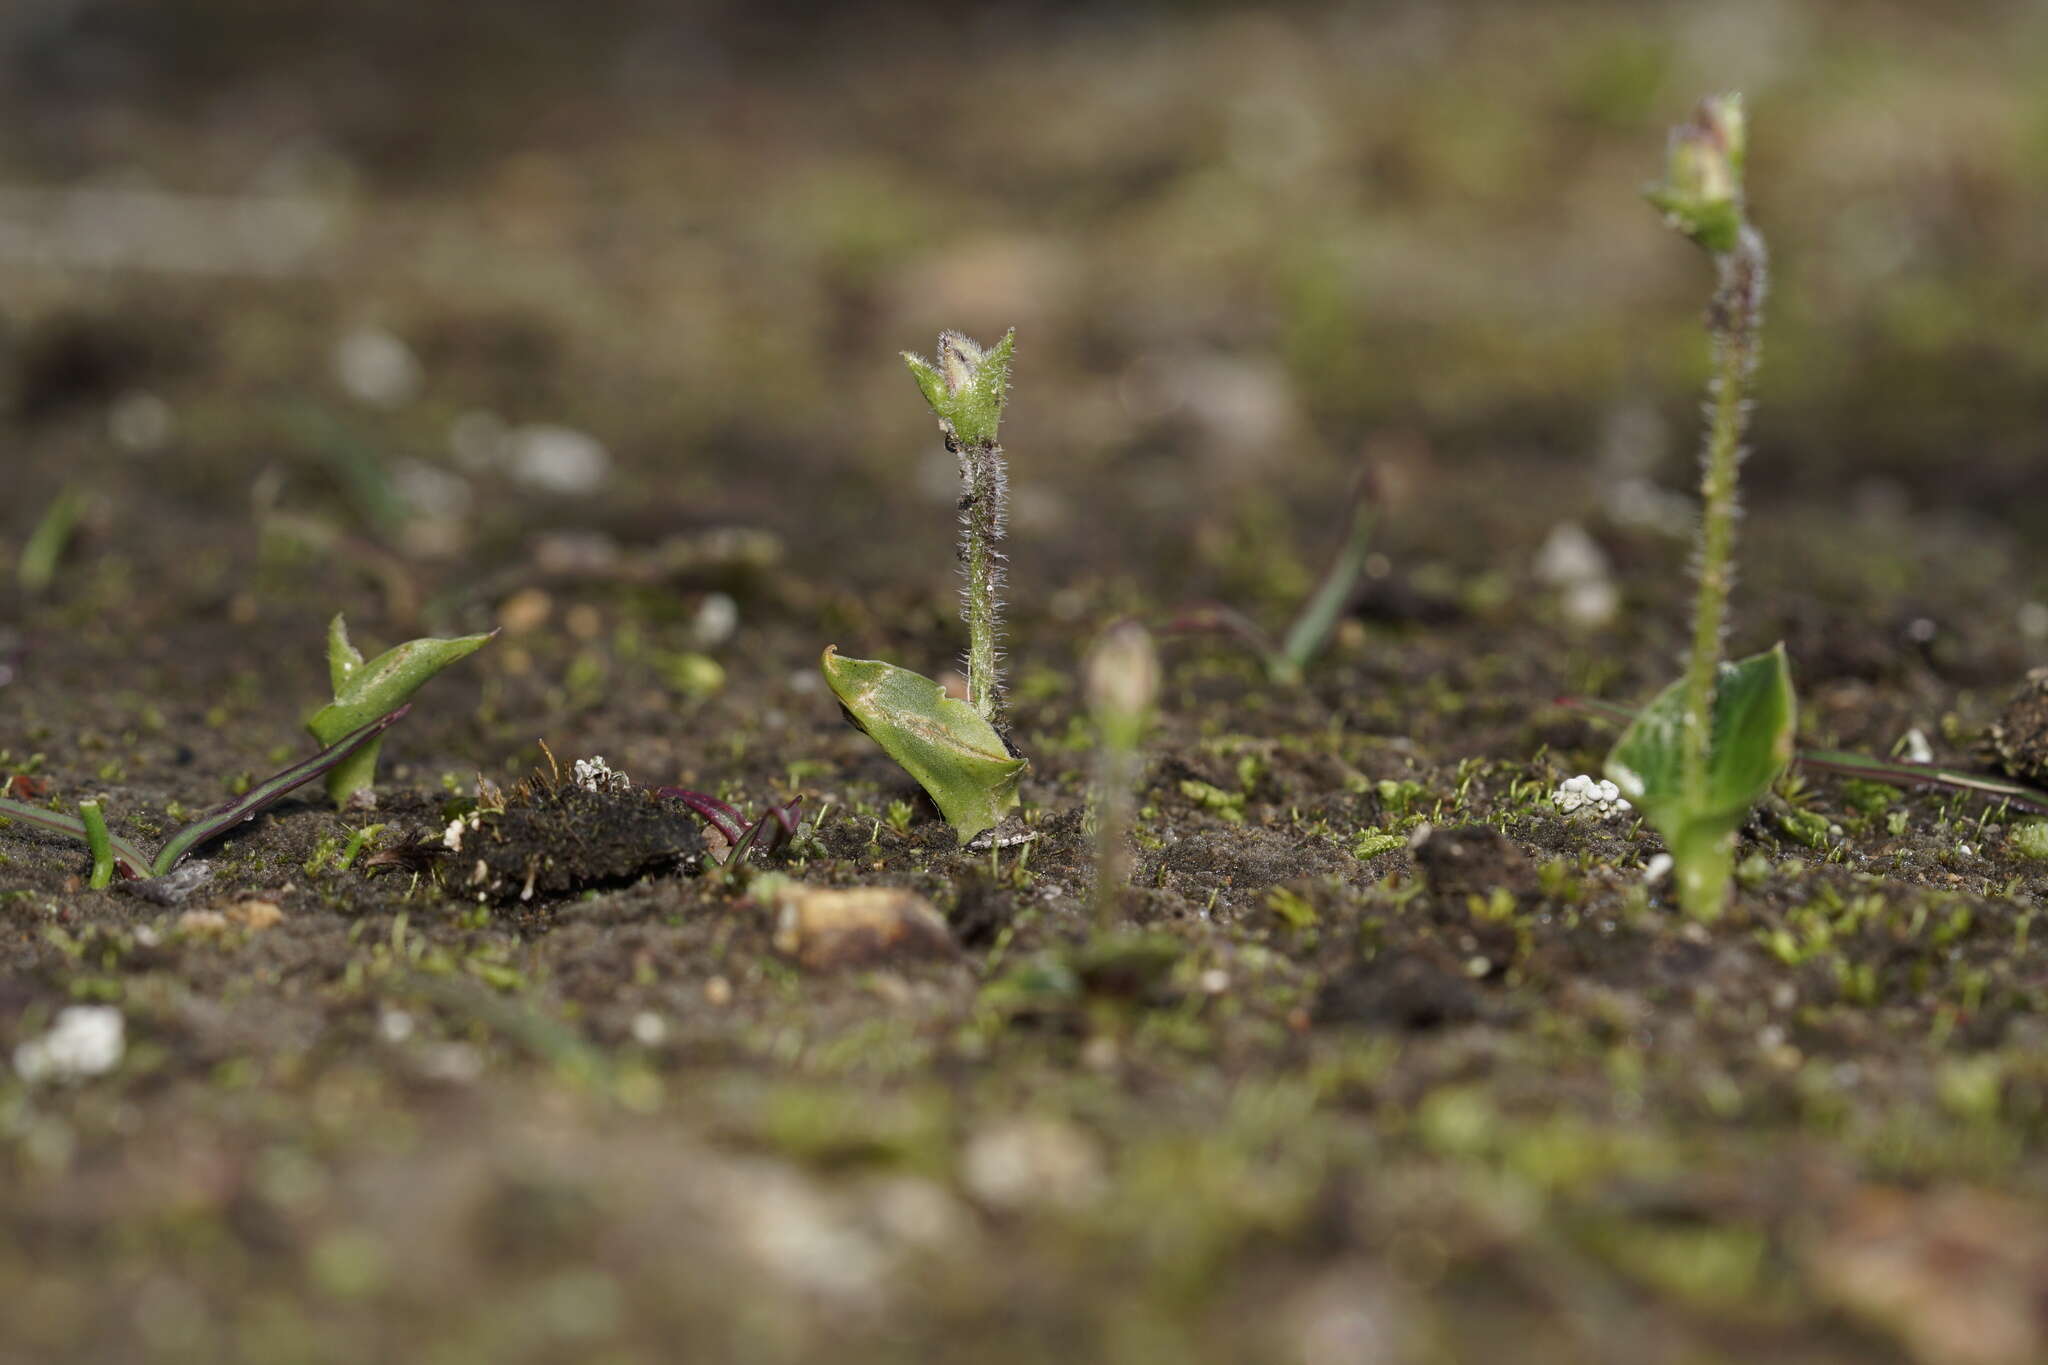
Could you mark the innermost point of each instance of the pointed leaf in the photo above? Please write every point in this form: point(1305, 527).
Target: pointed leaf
point(365, 691)
point(343, 658)
point(955, 755)
point(1755, 715)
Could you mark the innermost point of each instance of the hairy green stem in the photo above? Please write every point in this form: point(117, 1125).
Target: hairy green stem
point(102, 846)
point(982, 510)
point(1734, 319)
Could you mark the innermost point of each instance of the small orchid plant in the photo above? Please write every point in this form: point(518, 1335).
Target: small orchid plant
point(955, 749)
point(1708, 747)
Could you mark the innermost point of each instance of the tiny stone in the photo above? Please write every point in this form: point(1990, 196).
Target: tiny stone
point(85, 1041)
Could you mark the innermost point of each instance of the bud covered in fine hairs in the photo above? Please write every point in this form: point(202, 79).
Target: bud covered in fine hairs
point(1701, 193)
point(966, 386)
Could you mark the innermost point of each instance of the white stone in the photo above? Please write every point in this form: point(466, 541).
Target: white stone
point(557, 459)
point(376, 367)
point(85, 1041)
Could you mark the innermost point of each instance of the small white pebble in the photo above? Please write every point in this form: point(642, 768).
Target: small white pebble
point(376, 367)
point(140, 423)
point(716, 619)
point(394, 1026)
point(86, 1041)
point(1657, 869)
point(557, 459)
point(1215, 981)
point(1966, 851)
point(649, 1029)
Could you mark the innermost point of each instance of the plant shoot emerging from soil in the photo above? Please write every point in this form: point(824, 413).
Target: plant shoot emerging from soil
point(1122, 682)
point(956, 750)
point(1708, 747)
point(364, 691)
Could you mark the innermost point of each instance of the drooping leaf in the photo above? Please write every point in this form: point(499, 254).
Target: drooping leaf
point(955, 755)
point(219, 821)
point(1755, 715)
point(365, 691)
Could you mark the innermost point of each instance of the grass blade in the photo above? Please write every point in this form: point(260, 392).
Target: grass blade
point(100, 842)
point(218, 822)
point(1325, 606)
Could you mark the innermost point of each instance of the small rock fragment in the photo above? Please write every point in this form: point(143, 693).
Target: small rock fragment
point(824, 929)
point(1031, 1162)
point(86, 1041)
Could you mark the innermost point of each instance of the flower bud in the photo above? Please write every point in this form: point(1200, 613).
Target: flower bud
point(1701, 194)
point(966, 386)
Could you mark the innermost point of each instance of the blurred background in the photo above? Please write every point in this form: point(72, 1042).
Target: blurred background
point(428, 280)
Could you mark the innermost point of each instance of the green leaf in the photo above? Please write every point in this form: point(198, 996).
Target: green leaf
point(1755, 714)
point(955, 755)
point(365, 691)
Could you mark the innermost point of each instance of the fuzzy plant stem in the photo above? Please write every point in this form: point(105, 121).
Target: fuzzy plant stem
point(983, 505)
point(1735, 320)
point(101, 844)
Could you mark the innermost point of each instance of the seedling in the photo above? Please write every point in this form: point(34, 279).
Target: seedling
point(956, 750)
point(1287, 661)
point(366, 690)
point(1896, 771)
point(1705, 751)
point(1122, 681)
point(112, 853)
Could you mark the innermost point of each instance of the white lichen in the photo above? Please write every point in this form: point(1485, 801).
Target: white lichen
point(595, 775)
